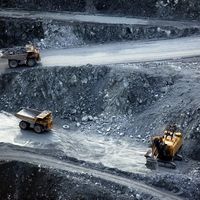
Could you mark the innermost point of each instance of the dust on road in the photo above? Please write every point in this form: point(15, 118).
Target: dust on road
point(123, 52)
point(85, 146)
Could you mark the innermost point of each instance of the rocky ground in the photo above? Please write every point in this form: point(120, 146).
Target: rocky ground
point(136, 101)
point(134, 91)
point(132, 101)
point(126, 103)
point(188, 9)
point(49, 33)
point(18, 32)
point(25, 181)
point(17, 175)
point(61, 35)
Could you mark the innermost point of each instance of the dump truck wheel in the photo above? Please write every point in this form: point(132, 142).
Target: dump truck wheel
point(23, 125)
point(38, 128)
point(31, 62)
point(12, 63)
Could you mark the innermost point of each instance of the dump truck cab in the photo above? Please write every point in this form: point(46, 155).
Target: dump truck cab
point(39, 121)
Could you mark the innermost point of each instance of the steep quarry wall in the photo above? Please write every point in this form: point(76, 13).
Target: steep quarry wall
point(19, 32)
point(173, 9)
point(78, 91)
point(22, 181)
point(59, 34)
point(148, 96)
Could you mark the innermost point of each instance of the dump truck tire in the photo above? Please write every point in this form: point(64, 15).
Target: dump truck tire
point(12, 63)
point(38, 128)
point(23, 125)
point(31, 62)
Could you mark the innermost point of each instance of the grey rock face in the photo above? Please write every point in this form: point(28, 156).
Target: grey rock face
point(176, 9)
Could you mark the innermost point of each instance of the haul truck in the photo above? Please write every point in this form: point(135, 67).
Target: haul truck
point(39, 121)
point(28, 55)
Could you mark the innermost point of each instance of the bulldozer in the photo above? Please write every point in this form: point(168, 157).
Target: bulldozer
point(28, 55)
point(165, 149)
point(39, 121)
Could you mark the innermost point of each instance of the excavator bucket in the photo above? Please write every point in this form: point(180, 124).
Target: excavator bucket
point(151, 161)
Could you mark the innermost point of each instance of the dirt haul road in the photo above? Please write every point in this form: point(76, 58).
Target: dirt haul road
point(82, 145)
point(50, 162)
point(101, 19)
point(122, 52)
point(125, 52)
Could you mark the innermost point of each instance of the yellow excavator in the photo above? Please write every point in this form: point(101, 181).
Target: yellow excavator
point(164, 149)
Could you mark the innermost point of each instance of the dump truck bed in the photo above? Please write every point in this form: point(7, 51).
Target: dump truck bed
point(31, 115)
point(17, 53)
point(14, 56)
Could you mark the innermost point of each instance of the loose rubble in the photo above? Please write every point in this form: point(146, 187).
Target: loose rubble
point(113, 102)
point(122, 102)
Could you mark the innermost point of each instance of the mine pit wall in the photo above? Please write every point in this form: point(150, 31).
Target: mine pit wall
point(148, 101)
point(23, 181)
point(15, 32)
point(173, 9)
point(72, 92)
point(59, 34)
